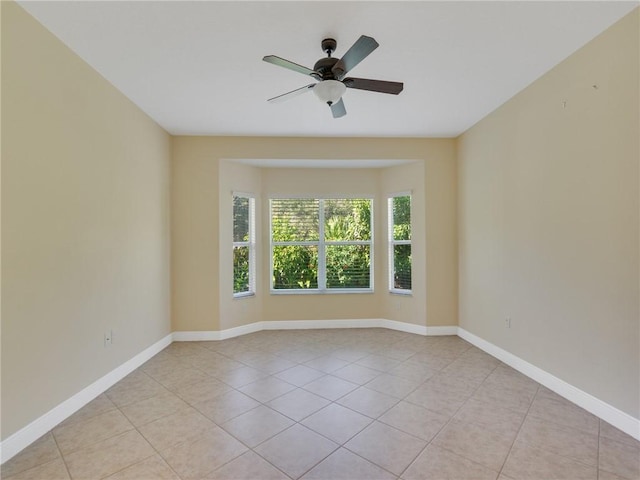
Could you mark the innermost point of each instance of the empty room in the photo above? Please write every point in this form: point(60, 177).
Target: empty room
point(320, 240)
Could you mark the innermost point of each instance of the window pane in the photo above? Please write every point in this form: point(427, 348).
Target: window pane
point(240, 219)
point(402, 267)
point(347, 219)
point(402, 218)
point(240, 269)
point(348, 266)
point(294, 220)
point(295, 267)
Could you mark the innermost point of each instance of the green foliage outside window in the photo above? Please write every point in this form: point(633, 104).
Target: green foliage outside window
point(401, 210)
point(345, 220)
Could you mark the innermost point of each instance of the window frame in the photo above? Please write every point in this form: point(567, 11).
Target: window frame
point(321, 245)
point(250, 243)
point(392, 242)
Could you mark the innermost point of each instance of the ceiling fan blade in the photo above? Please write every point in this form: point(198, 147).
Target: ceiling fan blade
point(358, 52)
point(292, 93)
point(381, 86)
point(337, 109)
point(281, 62)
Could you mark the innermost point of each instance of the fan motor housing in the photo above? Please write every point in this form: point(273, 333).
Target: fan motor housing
point(324, 66)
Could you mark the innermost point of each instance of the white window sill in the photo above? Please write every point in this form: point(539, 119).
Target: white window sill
point(244, 294)
point(331, 291)
point(406, 293)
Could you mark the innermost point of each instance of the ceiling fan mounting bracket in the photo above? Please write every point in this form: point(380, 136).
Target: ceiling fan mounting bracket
point(329, 46)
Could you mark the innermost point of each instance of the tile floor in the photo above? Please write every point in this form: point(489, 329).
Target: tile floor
point(329, 404)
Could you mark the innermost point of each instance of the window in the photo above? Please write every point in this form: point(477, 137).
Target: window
point(243, 245)
point(321, 245)
point(400, 244)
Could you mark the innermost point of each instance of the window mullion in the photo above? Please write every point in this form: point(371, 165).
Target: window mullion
point(322, 260)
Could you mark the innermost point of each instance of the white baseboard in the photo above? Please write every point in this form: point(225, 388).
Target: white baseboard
point(27, 435)
point(312, 324)
point(597, 407)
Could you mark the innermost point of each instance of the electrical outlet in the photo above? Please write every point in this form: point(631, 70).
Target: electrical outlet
point(507, 322)
point(108, 338)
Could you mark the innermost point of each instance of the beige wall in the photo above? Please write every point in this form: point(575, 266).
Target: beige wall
point(549, 221)
point(85, 224)
point(199, 233)
point(244, 179)
point(402, 308)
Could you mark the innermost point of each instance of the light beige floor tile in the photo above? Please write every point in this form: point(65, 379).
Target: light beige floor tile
point(476, 443)
point(553, 408)
point(226, 406)
point(330, 387)
point(150, 409)
point(393, 385)
point(368, 402)
point(299, 375)
point(561, 440)
point(415, 420)
point(257, 425)
point(202, 391)
point(133, 388)
point(78, 435)
point(510, 398)
point(297, 355)
point(270, 364)
point(510, 378)
point(350, 354)
point(620, 458)
point(51, 470)
point(435, 463)
point(248, 466)
point(413, 371)
point(41, 451)
point(176, 428)
point(611, 432)
point(267, 389)
point(378, 362)
point(337, 423)
point(526, 462)
point(486, 414)
point(357, 373)
point(327, 363)
point(164, 363)
point(441, 394)
point(476, 356)
point(431, 360)
point(298, 404)
point(296, 450)
point(386, 446)
point(109, 456)
point(445, 370)
point(174, 381)
point(397, 352)
point(344, 465)
point(153, 467)
point(218, 367)
point(200, 456)
point(604, 475)
point(240, 377)
point(183, 348)
point(98, 405)
point(470, 375)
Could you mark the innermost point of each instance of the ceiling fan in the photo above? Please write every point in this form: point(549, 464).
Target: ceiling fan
point(330, 74)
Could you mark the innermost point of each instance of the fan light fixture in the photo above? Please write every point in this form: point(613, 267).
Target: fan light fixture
point(329, 91)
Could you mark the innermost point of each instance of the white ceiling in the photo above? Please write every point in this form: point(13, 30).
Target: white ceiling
point(196, 68)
